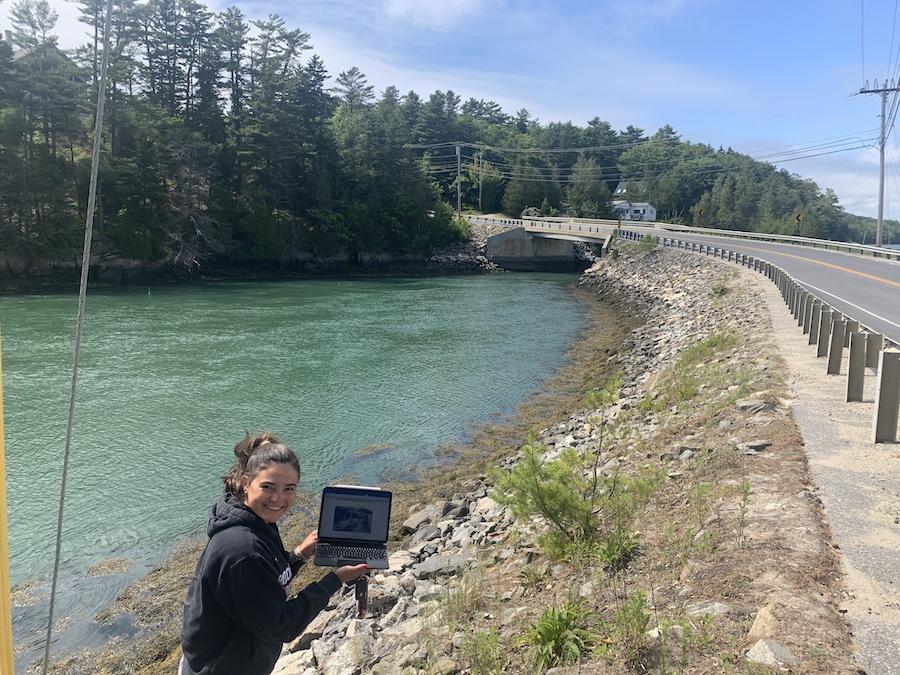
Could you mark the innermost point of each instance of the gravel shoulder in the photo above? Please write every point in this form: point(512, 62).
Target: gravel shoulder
point(858, 483)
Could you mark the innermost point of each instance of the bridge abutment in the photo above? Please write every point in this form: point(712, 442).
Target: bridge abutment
point(517, 250)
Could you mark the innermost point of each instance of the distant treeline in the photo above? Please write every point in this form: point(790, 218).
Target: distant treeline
point(223, 140)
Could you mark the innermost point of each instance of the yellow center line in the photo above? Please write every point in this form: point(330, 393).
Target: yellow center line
point(865, 275)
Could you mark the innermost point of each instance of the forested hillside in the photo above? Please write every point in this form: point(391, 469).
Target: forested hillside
point(228, 139)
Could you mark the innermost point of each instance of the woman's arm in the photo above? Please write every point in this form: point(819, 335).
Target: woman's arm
point(259, 602)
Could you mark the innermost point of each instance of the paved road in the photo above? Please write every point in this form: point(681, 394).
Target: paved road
point(864, 288)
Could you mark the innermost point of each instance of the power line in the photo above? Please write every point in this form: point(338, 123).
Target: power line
point(776, 151)
point(862, 42)
point(553, 173)
point(509, 175)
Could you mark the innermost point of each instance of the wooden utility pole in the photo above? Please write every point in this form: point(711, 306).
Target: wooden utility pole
point(884, 91)
point(480, 179)
point(458, 182)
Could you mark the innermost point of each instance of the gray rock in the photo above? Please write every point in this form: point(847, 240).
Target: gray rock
point(444, 666)
point(458, 512)
point(427, 590)
point(706, 608)
point(438, 565)
point(765, 625)
point(425, 533)
point(419, 518)
point(754, 405)
point(350, 657)
point(312, 632)
point(407, 630)
point(295, 663)
point(758, 444)
point(510, 614)
point(771, 653)
point(485, 506)
point(397, 613)
point(360, 627)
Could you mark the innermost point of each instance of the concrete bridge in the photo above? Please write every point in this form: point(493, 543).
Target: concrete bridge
point(542, 245)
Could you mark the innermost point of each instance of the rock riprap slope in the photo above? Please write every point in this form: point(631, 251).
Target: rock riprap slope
point(706, 549)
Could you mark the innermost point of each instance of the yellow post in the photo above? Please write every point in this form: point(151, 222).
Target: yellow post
point(6, 645)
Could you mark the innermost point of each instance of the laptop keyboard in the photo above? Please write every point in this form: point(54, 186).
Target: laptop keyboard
point(350, 552)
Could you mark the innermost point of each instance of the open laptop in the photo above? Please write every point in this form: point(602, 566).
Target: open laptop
point(353, 526)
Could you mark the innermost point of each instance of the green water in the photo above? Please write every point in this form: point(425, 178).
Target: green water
point(170, 379)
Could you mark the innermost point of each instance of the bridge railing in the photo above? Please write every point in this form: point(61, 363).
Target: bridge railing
point(600, 227)
point(828, 329)
point(844, 246)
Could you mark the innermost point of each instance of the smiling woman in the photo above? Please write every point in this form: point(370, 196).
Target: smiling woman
point(237, 614)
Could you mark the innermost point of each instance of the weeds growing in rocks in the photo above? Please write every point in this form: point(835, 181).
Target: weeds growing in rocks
point(484, 652)
point(460, 600)
point(560, 636)
point(744, 506)
point(629, 629)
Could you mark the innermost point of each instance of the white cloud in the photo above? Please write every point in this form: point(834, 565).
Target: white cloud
point(436, 14)
point(70, 31)
point(652, 9)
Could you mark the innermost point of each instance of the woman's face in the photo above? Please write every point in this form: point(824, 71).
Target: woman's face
point(271, 492)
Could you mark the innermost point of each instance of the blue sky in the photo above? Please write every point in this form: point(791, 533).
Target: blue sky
point(763, 77)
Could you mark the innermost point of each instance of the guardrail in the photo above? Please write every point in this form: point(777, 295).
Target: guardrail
point(844, 246)
point(829, 330)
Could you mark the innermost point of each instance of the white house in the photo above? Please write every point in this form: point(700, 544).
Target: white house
point(626, 210)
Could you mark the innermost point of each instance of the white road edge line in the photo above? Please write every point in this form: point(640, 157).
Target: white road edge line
point(847, 302)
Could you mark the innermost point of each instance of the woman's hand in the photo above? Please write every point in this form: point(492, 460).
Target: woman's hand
point(308, 547)
point(351, 572)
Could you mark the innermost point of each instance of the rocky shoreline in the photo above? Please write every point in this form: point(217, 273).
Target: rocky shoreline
point(456, 259)
point(774, 592)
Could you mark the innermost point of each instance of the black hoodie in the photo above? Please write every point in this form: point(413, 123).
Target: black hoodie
point(237, 615)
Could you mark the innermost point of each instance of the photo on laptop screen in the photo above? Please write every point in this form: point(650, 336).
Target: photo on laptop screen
point(355, 519)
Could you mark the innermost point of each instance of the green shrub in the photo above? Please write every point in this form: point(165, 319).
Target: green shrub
point(560, 636)
point(618, 549)
point(648, 243)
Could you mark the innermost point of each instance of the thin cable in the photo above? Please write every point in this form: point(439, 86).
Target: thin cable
point(893, 31)
point(772, 151)
point(862, 43)
point(79, 324)
point(546, 179)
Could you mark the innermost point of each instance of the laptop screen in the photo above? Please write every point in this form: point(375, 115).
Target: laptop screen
point(358, 514)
